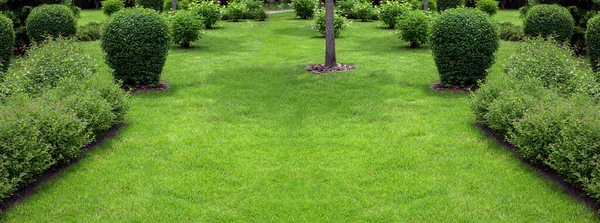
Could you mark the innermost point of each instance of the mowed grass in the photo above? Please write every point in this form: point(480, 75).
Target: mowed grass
point(245, 134)
point(509, 15)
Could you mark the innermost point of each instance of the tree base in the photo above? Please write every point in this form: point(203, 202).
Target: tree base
point(320, 68)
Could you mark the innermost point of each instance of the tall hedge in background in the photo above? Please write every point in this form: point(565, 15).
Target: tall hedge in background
point(151, 4)
point(463, 43)
point(136, 43)
point(7, 41)
point(549, 20)
point(53, 20)
point(448, 4)
point(592, 40)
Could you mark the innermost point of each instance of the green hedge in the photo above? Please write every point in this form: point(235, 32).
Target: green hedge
point(7, 41)
point(592, 40)
point(53, 20)
point(549, 20)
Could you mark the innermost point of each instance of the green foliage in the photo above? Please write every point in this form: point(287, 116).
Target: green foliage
point(419, 5)
point(414, 27)
point(449, 4)
point(488, 6)
point(136, 44)
point(549, 20)
point(391, 11)
point(89, 32)
point(347, 8)
point(339, 23)
point(180, 5)
point(53, 20)
point(7, 41)
point(260, 15)
point(592, 40)
point(151, 4)
point(305, 9)
point(510, 32)
point(185, 28)
point(207, 11)
point(236, 10)
point(365, 11)
point(463, 43)
point(111, 6)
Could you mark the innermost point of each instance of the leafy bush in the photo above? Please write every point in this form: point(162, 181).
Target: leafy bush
point(260, 15)
point(391, 11)
point(549, 20)
point(365, 11)
point(592, 40)
point(236, 10)
point(510, 32)
point(89, 32)
point(151, 4)
point(207, 11)
point(339, 23)
point(419, 5)
point(449, 4)
point(111, 6)
point(54, 20)
point(347, 8)
point(179, 5)
point(136, 44)
point(414, 28)
point(185, 28)
point(253, 9)
point(463, 43)
point(7, 41)
point(488, 6)
point(305, 9)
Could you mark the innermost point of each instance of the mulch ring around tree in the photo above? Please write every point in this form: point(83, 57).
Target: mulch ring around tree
point(160, 87)
point(320, 68)
point(453, 88)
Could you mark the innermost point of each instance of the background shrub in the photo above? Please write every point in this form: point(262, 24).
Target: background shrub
point(419, 5)
point(414, 28)
point(54, 20)
point(448, 4)
point(185, 28)
point(305, 9)
point(136, 44)
point(180, 5)
point(236, 10)
point(546, 20)
point(260, 15)
point(510, 32)
point(111, 6)
point(488, 6)
point(151, 4)
point(208, 12)
point(253, 9)
point(391, 11)
point(463, 43)
point(339, 23)
point(592, 40)
point(89, 32)
point(347, 8)
point(365, 11)
point(7, 41)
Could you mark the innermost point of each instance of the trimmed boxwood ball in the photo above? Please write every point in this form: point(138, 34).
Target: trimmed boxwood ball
point(488, 6)
point(448, 4)
point(7, 41)
point(546, 20)
point(463, 43)
point(151, 4)
point(111, 6)
point(54, 20)
point(592, 40)
point(136, 43)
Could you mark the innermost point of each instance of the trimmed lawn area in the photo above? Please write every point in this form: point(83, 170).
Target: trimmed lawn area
point(245, 134)
point(88, 16)
point(509, 15)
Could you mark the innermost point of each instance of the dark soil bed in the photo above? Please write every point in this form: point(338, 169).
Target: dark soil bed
point(320, 68)
point(160, 87)
point(454, 88)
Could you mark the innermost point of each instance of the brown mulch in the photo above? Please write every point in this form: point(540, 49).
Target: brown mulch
point(454, 88)
point(160, 87)
point(320, 68)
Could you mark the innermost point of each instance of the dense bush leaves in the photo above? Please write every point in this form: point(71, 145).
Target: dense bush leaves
point(53, 20)
point(549, 20)
point(111, 6)
point(592, 40)
point(449, 4)
point(414, 28)
point(89, 32)
point(392, 11)
point(305, 9)
point(510, 32)
point(488, 6)
point(185, 28)
point(7, 41)
point(339, 23)
point(151, 4)
point(206, 11)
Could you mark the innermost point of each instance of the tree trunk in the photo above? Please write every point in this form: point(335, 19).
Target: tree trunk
point(330, 60)
point(426, 5)
point(174, 5)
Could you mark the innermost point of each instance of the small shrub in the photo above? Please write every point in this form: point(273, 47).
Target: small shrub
point(260, 15)
point(510, 32)
point(185, 28)
point(111, 6)
point(136, 44)
point(253, 8)
point(365, 11)
point(339, 23)
point(414, 28)
point(391, 11)
point(305, 9)
point(89, 32)
point(463, 43)
point(347, 8)
point(53, 20)
point(420, 5)
point(549, 20)
point(7, 41)
point(488, 6)
point(592, 40)
point(449, 4)
point(236, 10)
point(151, 4)
point(207, 11)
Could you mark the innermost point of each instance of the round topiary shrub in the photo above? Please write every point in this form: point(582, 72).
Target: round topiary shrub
point(463, 43)
point(185, 28)
point(53, 20)
point(111, 6)
point(546, 20)
point(151, 4)
point(136, 42)
point(592, 40)
point(448, 4)
point(305, 9)
point(414, 28)
point(488, 6)
point(7, 41)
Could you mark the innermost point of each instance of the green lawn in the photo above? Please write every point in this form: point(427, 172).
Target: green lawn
point(88, 16)
point(246, 135)
point(509, 15)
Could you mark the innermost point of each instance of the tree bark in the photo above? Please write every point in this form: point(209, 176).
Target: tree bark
point(426, 5)
point(174, 5)
point(330, 60)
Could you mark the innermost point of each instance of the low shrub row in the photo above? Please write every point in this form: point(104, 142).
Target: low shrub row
point(546, 104)
point(244, 9)
point(48, 116)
